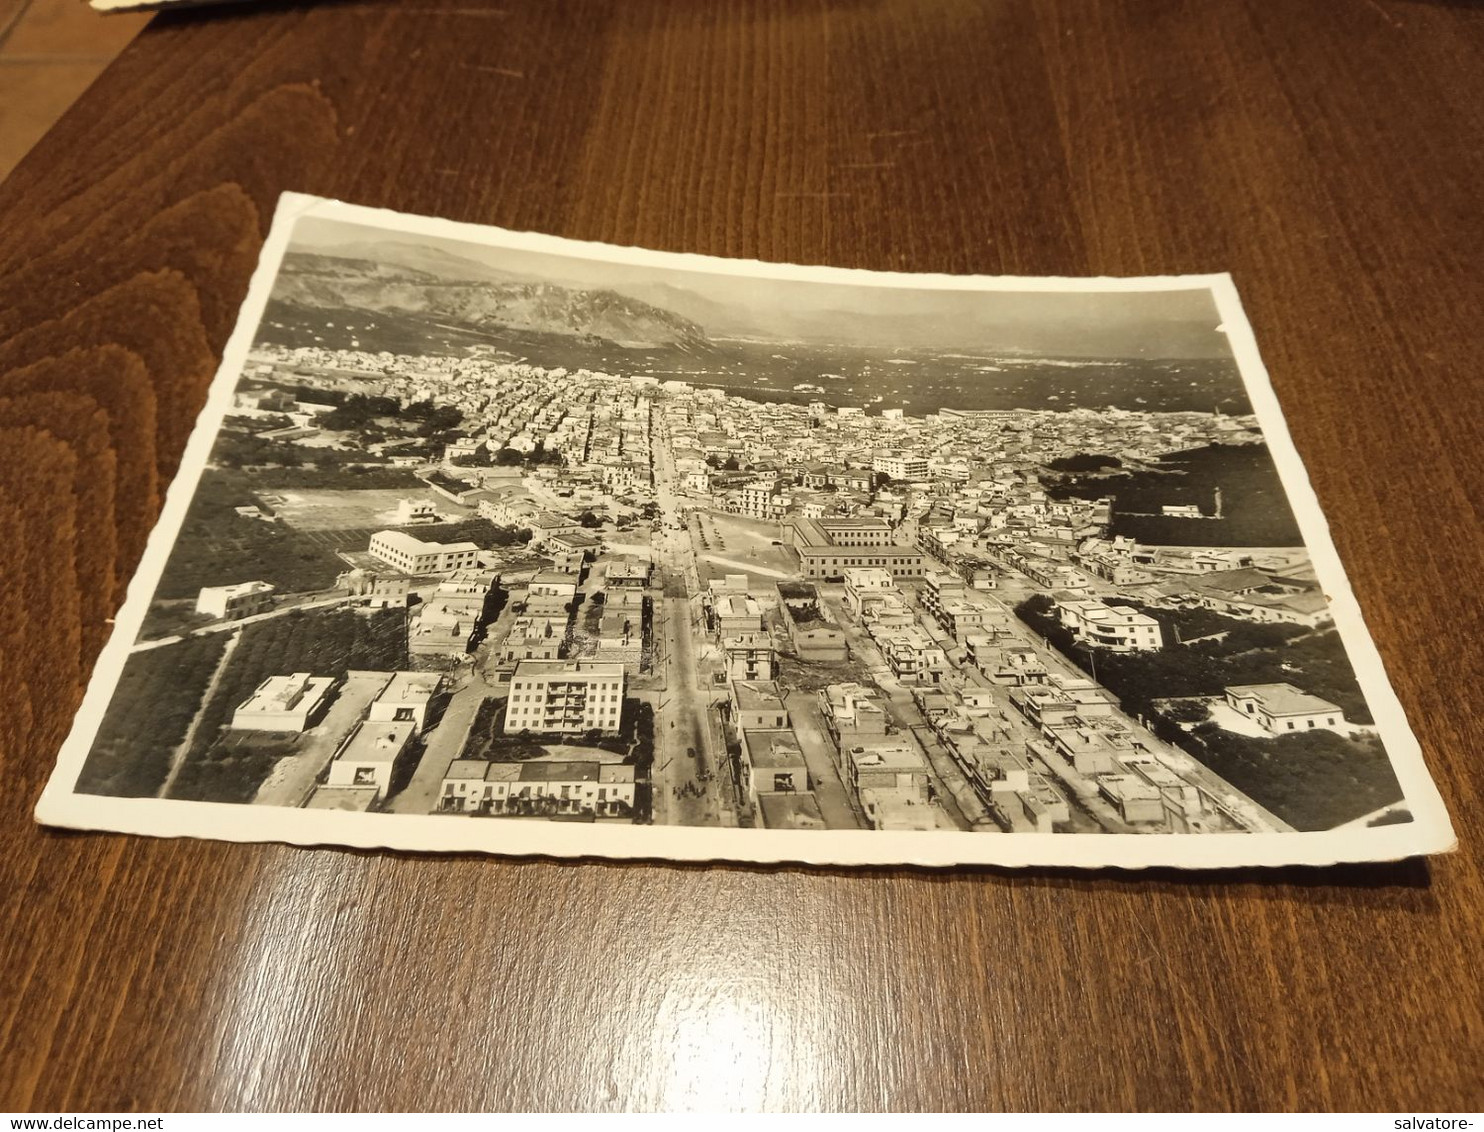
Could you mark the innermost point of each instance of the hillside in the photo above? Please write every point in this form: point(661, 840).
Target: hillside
point(321, 282)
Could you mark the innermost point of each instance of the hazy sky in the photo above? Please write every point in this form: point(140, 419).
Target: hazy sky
point(1112, 324)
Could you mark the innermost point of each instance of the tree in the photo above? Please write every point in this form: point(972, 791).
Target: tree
point(589, 520)
point(481, 457)
point(1084, 462)
point(357, 411)
point(509, 457)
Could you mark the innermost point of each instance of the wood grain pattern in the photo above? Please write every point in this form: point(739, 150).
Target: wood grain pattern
point(1325, 152)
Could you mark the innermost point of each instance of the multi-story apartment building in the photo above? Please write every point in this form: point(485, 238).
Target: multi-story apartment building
point(913, 656)
point(1117, 628)
point(937, 590)
point(564, 696)
point(901, 466)
point(759, 500)
point(414, 556)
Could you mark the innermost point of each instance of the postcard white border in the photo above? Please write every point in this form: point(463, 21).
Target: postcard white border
point(1429, 832)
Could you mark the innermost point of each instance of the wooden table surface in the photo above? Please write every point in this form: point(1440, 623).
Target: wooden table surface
point(1328, 153)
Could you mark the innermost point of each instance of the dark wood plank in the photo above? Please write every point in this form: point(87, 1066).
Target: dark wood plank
point(1325, 152)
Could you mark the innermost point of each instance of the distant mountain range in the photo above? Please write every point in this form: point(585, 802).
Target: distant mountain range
point(654, 309)
point(437, 285)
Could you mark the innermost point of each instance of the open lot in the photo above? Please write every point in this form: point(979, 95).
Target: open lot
point(342, 510)
point(734, 544)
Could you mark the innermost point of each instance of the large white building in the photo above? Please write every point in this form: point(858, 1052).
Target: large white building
point(863, 530)
point(901, 466)
point(414, 556)
point(564, 696)
point(864, 584)
point(282, 703)
point(759, 500)
point(231, 602)
point(1117, 628)
point(406, 699)
point(1282, 708)
point(473, 786)
point(369, 754)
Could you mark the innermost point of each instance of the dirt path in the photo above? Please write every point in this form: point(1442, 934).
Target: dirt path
point(177, 759)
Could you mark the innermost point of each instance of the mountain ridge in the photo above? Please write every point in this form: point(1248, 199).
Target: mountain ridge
point(320, 279)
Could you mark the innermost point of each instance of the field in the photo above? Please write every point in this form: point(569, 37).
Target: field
point(218, 547)
point(297, 553)
point(734, 544)
point(342, 510)
point(156, 699)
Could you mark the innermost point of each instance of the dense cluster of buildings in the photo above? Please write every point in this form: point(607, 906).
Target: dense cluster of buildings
point(904, 530)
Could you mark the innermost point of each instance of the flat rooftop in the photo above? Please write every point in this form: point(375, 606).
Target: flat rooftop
point(1282, 699)
point(411, 687)
point(560, 772)
point(568, 668)
point(753, 695)
point(465, 770)
point(791, 811)
point(772, 749)
point(287, 693)
point(354, 799)
point(408, 544)
point(376, 742)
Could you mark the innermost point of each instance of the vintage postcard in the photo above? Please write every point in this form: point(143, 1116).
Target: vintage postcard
point(495, 541)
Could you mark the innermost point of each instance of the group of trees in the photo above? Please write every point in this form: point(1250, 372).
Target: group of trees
point(1084, 462)
point(1249, 654)
point(158, 694)
point(217, 545)
point(487, 457)
point(1312, 779)
point(323, 643)
point(1255, 510)
point(359, 411)
point(483, 532)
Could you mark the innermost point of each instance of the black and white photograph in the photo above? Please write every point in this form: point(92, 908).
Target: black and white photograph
point(492, 541)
